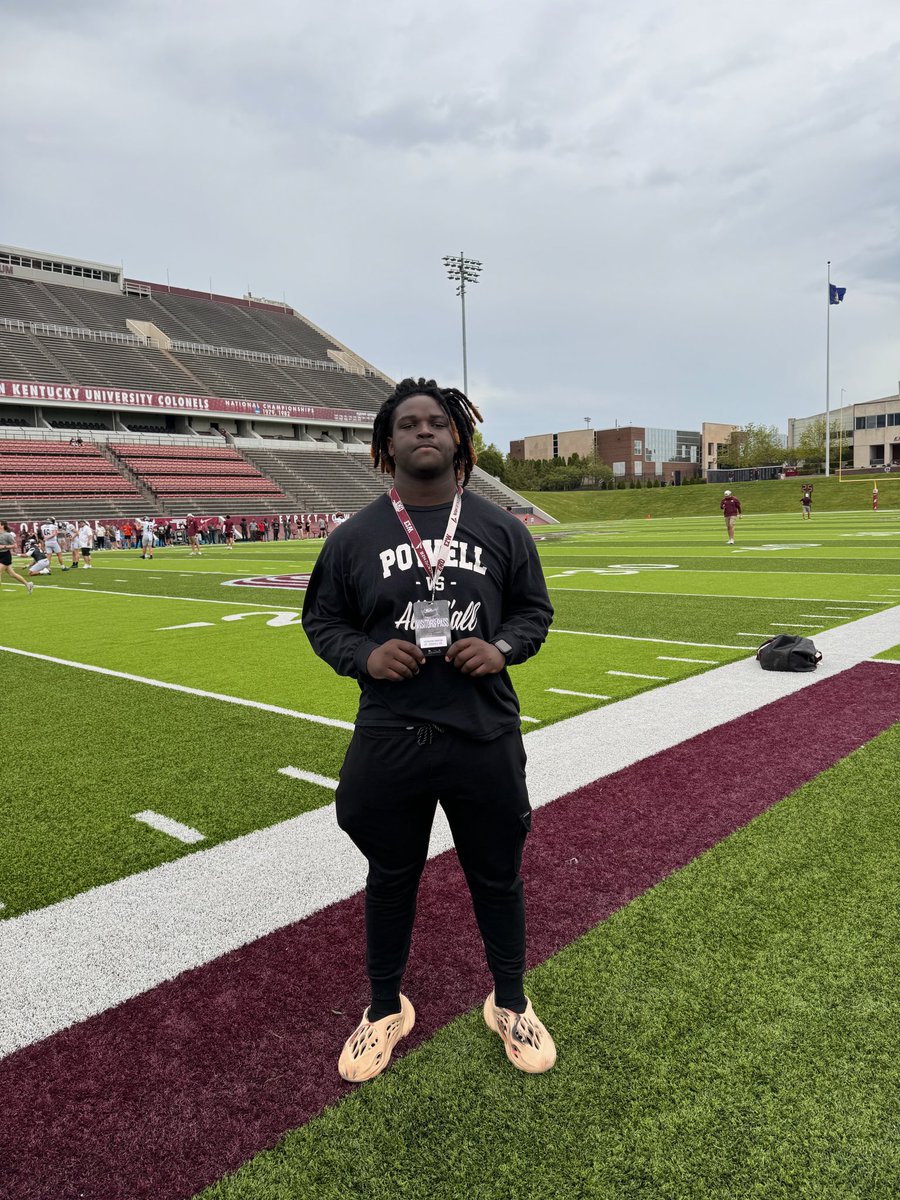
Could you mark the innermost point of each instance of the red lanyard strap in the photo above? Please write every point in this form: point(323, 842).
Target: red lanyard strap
point(433, 572)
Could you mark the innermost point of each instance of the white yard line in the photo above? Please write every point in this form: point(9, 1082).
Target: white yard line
point(175, 829)
point(587, 695)
point(703, 595)
point(636, 675)
point(627, 637)
point(74, 959)
point(710, 662)
point(530, 720)
point(308, 777)
point(191, 574)
point(753, 635)
point(178, 687)
point(186, 599)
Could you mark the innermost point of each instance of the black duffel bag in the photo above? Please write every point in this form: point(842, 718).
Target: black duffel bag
point(787, 652)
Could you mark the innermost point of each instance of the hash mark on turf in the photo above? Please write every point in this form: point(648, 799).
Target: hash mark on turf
point(308, 776)
point(709, 662)
point(635, 675)
point(174, 829)
point(627, 637)
point(587, 695)
point(793, 625)
point(190, 625)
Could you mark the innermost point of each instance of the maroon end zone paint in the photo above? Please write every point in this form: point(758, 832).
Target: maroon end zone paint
point(165, 1093)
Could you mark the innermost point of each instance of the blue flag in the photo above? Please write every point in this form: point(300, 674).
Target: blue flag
point(836, 294)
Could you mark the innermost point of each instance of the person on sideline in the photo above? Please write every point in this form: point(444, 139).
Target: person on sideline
point(148, 537)
point(731, 508)
point(229, 533)
point(806, 502)
point(50, 534)
point(86, 543)
point(7, 545)
point(193, 534)
point(74, 544)
point(438, 717)
point(40, 564)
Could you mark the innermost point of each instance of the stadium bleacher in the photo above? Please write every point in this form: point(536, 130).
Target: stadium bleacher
point(248, 351)
point(187, 477)
point(35, 474)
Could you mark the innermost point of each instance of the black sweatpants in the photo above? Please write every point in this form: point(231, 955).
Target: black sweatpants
point(390, 785)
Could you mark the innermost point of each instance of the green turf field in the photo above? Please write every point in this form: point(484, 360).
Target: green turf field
point(638, 604)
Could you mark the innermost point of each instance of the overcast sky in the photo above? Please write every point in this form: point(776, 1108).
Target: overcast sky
point(654, 195)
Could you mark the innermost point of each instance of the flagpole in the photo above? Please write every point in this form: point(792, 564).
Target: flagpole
point(828, 371)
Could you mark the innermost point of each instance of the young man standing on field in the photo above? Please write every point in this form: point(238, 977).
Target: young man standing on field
point(425, 597)
point(731, 508)
point(806, 502)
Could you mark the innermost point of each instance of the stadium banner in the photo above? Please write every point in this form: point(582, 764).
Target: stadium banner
point(183, 402)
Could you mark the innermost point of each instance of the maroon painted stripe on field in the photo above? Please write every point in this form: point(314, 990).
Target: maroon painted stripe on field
point(165, 1093)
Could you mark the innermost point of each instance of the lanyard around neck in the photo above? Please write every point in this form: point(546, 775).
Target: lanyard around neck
point(433, 572)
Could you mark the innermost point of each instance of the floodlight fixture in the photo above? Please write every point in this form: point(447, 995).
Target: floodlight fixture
point(462, 270)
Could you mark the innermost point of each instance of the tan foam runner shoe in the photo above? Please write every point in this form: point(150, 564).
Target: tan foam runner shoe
point(367, 1051)
point(527, 1043)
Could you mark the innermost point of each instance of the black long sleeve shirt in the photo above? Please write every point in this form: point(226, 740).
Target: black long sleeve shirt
point(366, 580)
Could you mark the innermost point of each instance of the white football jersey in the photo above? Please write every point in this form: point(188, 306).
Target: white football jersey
point(49, 530)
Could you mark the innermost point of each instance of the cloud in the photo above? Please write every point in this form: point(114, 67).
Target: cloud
point(654, 191)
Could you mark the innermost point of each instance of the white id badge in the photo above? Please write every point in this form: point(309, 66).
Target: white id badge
point(432, 620)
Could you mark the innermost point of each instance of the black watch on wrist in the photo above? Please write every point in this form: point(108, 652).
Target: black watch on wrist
point(504, 647)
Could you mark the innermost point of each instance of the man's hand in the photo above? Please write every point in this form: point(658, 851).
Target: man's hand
point(395, 660)
point(474, 657)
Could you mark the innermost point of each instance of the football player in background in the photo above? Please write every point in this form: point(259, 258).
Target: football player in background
point(50, 534)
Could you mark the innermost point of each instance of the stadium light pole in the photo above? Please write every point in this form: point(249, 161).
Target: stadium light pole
point(462, 270)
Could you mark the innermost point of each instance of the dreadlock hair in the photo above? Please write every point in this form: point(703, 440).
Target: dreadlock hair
point(460, 411)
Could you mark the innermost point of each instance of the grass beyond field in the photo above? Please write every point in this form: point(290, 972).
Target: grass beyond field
point(701, 500)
